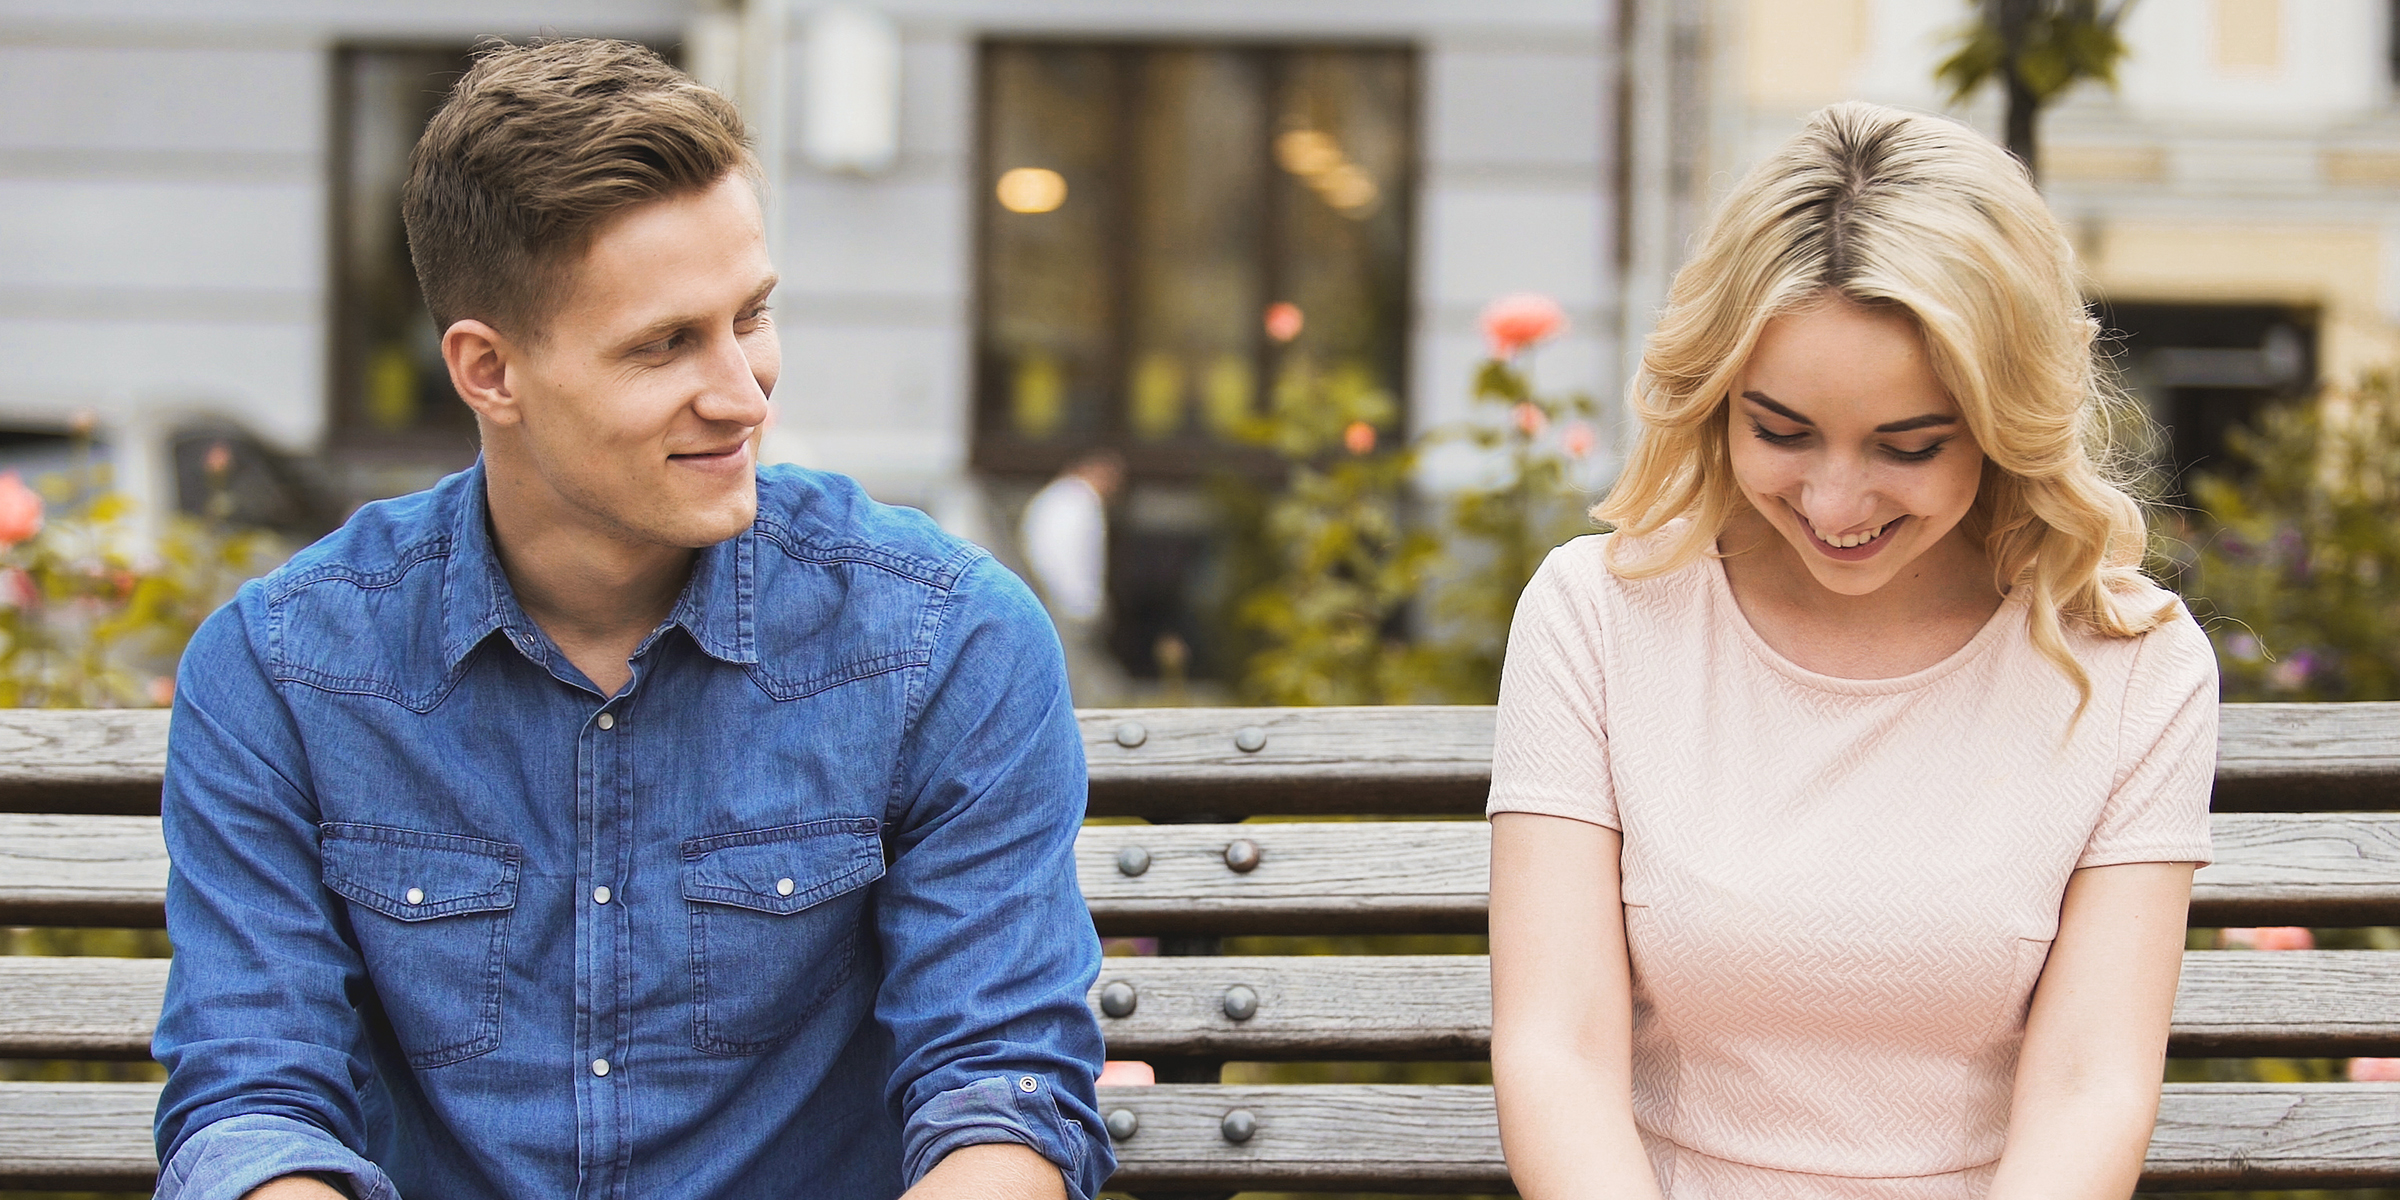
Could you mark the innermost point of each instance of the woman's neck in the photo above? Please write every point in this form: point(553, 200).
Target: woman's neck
point(1934, 606)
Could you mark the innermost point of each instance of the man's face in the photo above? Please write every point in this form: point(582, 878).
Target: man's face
point(642, 406)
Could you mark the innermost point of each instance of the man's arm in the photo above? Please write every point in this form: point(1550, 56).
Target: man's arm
point(988, 950)
point(988, 1171)
point(262, 1047)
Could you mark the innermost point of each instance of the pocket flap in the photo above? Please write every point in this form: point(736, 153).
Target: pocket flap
point(418, 876)
point(786, 868)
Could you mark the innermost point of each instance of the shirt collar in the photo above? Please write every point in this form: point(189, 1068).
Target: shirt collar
point(716, 607)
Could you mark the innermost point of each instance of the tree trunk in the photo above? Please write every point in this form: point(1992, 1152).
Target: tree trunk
point(2014, 22)
point(2022, 109)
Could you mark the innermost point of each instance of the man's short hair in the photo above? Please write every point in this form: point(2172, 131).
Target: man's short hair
point(535, 149)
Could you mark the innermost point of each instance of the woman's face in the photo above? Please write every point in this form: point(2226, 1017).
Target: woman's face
point(1844, 441)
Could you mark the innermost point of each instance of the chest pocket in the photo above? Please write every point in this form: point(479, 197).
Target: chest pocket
point(431, 914)
point(776, 916)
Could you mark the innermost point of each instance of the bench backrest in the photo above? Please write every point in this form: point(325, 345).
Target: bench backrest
point(2297, 836)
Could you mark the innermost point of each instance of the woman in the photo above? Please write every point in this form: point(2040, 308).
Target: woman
point(1846, 798)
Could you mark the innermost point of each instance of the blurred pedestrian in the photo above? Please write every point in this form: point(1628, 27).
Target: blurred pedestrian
point(1064, 534)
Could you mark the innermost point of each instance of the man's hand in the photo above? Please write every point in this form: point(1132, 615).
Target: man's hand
point(994, 1171)
point(294, 1187)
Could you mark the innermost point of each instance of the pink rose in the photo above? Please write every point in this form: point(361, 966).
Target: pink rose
point(1120, 1073)
point(2269, 937)
point(2375, 1070)
point(20, 510)
point(1579, 440)
point(1530, 419)
point(1512, 323)
point(1284, 320)
point(1359, 438)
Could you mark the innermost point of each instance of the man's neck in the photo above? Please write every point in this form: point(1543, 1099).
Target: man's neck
point(596, 595)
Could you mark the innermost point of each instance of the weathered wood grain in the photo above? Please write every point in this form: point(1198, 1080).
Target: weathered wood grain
point(1322, 761)
point(64, 760)
point(1341, 1136)
point(77, 1136)
point(2308, 757)
point(82, 870)
point(79, 1007)
point(1420, 760)
point(1314, 877)
point(2334, 1003)
point(2301, 869)
point(2259, 1135)
point(1390, 760)
point(2292, 1003)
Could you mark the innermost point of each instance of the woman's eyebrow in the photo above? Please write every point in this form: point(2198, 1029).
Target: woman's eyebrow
point(1767, 402)
point(1927, 421)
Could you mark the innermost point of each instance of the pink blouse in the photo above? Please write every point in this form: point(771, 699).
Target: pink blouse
point(1838, 893)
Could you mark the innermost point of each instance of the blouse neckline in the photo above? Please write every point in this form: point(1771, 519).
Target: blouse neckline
point(2009, 615)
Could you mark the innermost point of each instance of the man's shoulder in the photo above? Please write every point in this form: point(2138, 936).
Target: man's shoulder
point(824, 519)
point(380, 545)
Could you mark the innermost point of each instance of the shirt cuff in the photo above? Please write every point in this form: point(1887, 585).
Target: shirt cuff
point(227, 1158)
point(995, 1110)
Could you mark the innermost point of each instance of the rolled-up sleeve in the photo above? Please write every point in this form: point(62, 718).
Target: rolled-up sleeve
point(988, 948)
point(262, 1046)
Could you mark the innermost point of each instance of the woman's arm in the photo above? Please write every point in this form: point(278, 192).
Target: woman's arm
point(1562, 1012)
point(2096, 1040)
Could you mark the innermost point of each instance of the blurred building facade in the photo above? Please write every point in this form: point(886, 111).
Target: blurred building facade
point(196, 212)
point(1011, 231)
point(2235, 199)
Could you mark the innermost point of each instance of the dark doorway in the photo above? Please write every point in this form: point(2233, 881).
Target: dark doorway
point(2204, 370)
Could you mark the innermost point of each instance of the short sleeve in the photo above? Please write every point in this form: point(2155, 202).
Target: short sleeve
point(1550, 749)
point(2166, 753)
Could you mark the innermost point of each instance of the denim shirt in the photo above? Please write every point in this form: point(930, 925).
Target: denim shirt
point(792, 914)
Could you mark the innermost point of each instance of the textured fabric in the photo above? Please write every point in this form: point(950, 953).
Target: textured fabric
point(1838, 893)
point(795, 908)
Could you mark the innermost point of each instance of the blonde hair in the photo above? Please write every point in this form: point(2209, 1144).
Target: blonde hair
point(1904, 211)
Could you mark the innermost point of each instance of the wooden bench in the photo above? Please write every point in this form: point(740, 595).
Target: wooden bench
point(2303, 838)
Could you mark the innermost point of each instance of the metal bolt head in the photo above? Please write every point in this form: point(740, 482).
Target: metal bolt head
point(1250, 739)
point(1132, 860)
point(1131, 734)
point(1242, 856)
point(1122, 1124)
point(1238, 1126)
point(1241, 1003)
point(1118, 999)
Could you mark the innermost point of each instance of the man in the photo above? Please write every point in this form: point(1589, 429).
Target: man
point(1064, 535)
point(616, 819)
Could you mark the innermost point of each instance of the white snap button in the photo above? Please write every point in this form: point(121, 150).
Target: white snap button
point(600, 894)
point(416, 895)
point(783, 887)
point(599, 1066)
point(608, 720)
point(1028, 1083)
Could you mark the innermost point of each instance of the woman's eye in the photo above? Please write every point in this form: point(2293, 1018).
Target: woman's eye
point(1918, 456)
point(1773, 438)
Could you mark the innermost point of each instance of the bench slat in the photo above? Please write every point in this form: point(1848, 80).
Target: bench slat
point(1389, 760)
point(79, 1007)
point(1340, 1136)
point(1313, 877)
point(2333, 1003)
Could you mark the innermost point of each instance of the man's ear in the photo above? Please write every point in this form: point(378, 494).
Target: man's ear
point(480, 358)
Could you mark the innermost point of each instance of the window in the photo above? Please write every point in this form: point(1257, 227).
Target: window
point(2204, 370)
point(390, 392)
point(1143, 208)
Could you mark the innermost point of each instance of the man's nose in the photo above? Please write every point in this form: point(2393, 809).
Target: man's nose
point(731, 391)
